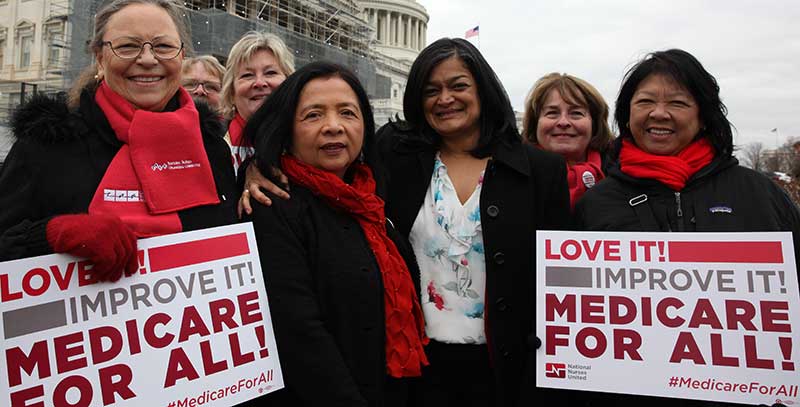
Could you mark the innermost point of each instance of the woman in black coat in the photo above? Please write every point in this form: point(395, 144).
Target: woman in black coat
point(73, 182)
point(346, 315)
point(460, 139)
point(672, 170)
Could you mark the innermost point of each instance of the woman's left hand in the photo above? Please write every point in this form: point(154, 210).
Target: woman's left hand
point(253, 182)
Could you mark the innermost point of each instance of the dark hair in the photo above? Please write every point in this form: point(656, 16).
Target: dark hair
point(687, 71)
point(497, 122)
point(271, 127)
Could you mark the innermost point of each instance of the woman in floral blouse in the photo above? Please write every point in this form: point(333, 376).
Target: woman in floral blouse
point(470, 197)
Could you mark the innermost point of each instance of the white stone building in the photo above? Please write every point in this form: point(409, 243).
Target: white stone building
point(400, 29)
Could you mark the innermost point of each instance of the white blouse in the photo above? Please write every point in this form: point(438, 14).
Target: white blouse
point(448, 243)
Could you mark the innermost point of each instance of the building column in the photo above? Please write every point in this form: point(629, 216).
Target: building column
point(405, 31)
point(415, 34)
point(396, 29)
point(393, 28)
point(385, 28)
point(421, 43)
point(424, 35)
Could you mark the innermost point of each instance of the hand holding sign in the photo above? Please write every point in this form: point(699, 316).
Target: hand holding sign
point(703, 316)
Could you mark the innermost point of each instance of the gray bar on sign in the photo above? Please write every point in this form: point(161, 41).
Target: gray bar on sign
point(36, 318)
point(558, 276)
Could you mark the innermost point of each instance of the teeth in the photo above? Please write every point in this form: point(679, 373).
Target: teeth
point(146, 78)
point(660, 131)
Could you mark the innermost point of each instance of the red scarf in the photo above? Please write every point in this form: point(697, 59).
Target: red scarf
point(240, 148)
point(161, 168)
point(582, 176)
point(404, 321)
point(670, 170)
point(235, 129)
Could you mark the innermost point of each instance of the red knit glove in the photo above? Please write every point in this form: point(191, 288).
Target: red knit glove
point(102, 239)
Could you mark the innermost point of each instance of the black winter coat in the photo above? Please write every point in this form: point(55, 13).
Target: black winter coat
point(326, 299)
point(524, 190)
point(59, 159)
point(721, 197)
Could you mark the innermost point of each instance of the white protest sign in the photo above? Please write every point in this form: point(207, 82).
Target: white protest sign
point(709, 316)
point(191, 327)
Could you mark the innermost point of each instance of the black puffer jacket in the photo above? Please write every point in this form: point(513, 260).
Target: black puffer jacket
point(60, 156)
point(721, 197)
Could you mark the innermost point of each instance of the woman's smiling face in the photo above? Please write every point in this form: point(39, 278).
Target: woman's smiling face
point(146, 82)
point(665, 117)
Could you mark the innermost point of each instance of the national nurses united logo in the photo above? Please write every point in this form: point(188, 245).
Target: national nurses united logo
point(555, 370)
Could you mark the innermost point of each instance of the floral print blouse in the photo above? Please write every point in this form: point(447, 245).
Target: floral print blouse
point(448, 243)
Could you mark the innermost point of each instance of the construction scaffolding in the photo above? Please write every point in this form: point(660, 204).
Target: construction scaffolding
point(332, 30)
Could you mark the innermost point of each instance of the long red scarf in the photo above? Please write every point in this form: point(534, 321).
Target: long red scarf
point(404, 320)
point(582, 176)
point(670, 170)
point(161, 168)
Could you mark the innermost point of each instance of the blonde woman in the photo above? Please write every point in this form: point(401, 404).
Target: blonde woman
point(257, 64)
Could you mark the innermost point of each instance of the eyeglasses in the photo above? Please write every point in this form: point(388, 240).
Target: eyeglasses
point(210, 87)
point(131, 48)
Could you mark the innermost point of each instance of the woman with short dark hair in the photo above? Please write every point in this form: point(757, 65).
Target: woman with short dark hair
point(672, 170)
point(346, 314)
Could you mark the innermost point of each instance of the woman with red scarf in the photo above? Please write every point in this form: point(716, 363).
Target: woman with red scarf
point(347, 318)
point(673, 170)
point(568, 116)
point(130, 155)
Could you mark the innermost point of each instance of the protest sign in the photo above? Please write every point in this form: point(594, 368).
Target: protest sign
point(709, 316)
point(191, 327)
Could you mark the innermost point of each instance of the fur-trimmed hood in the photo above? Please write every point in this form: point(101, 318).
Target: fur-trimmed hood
point(48, 119)
point(44, 117)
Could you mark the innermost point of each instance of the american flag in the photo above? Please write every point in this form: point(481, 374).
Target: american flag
point(472, 32)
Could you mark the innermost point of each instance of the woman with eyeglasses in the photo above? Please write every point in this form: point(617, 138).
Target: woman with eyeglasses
point(202, 78)
point(257, 64)
point(128, 155)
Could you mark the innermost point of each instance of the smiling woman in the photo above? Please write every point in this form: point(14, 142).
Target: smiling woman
point(470, 196)
point(257, 64)
point(568, 116)
point(78, 179)
point(672, 169)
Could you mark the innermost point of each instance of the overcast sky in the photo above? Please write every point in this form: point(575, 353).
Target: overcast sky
point(751, 47)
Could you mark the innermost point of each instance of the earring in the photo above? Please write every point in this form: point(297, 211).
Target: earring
point(361, 157)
